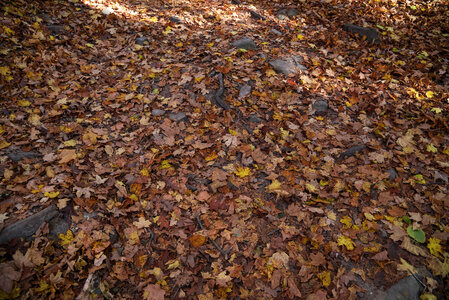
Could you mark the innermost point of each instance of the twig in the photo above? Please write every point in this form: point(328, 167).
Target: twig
point(417, 279)
point(273, 232)
point(219, 94)
point(224, 253)
point(83, 295)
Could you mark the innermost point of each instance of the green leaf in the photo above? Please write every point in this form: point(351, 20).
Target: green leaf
point(406, 219)
point(418, 235)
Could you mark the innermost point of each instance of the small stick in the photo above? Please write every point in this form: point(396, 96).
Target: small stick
point(273, 232)
point(224, 253)
point(417, 279)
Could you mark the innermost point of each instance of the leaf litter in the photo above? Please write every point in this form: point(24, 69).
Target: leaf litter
point(184, 167)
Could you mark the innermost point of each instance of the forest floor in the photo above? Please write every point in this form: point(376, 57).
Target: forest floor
point(224, 149)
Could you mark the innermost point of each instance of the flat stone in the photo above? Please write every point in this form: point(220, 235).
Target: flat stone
point(255, 119)
point(27, 227)
point(288, 65)
point(55, 29)
point(370, 33)
point(142, 41)
point(282, 12)
point(157, 112)
point(407, 288)
point(175, 19)
point(292, 12)
point(17, 156)
point(276, 32)
point(245, 43)
point(392, 174)
point(177, 116)
point(321, 106)
point(245, 90)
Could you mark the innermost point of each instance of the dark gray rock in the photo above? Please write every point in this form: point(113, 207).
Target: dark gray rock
point(407, 288)
point(57, 226)
point(292, 12)
point(175, 19)
point(27, 227)
point(55, 29)
point(245, 43)
point(142, 41)
point(245, 90)
point(392, 174)
point(177, 116)
point(276, 32)
point(288, 65)
point(282, 12)
point(157, 112)
point(370, 33)
point(17, 156)
point(321, 106)
point(351, 151)
point(255, 119)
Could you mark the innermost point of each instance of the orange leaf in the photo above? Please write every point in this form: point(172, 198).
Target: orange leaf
point(197, 240)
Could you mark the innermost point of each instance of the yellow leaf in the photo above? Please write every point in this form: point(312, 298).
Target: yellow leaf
point(431, 148)
point(167, 30)
point(152, 19)
point(8, 31)
point(165, 164)
point(233, 132)
point(90, 45)
point(65, 239)
point(270, 72)
point(4, 144)
point(446, 151)
point(210, 44)
point(325, 278)
point(70, 143)
point(300, 36)
point(310, 187)
point(34, 119)
point(211, 156)
point(242, 172)
point(346, 241)
point(347, 221)
point(275, 185)
point(51, 195)
point(172, 264)
point(427, 296)
point(180, 44)
point(436, 110)
point(23, 103)
point(5, 71)
point(405, 266)
point(429, 94)
point(435, 247)
point(145, 172)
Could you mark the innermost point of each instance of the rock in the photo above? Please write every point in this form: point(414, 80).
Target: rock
point(107, 11)
point(245, 90)
point(142, 41)
point(55, 29)
point(282, 12)
point(292, 12)
point(276, 32)
point(245, 43)
point(17, 156)
point(392, 174)
point(407, 288)
point(370, 33)
point(175, 19)
point(255, 119)
point(351, 151)
point(321, 106)
point(27, 227)
point(57, 226)
point(157, 112)
point(288, 65)
point(177, 116)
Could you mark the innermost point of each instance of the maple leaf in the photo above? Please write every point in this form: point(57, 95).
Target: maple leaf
point(435, 247)
point(67, 155)
point(153, 292)
point(325, 278)
point(242, 172)
point(346, 241)
point(197, 240)
point(142, 223)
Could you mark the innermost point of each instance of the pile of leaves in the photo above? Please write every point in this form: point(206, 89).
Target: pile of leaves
point(183, 166)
